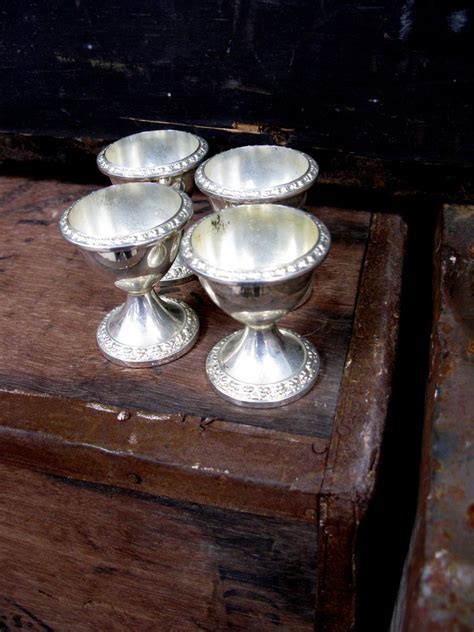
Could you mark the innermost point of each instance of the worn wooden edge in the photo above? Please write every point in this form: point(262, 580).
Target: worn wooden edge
point(249, 470)
point(188, 458)
point(438, 573)
point(409, 584)
point(353, 453)
point(354, 448)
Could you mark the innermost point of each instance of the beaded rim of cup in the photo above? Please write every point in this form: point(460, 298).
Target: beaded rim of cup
point(144, 238)
point(184, 164)
point(298, 266)
point(279, 192)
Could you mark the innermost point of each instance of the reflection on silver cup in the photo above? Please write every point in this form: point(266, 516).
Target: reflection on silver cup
point(168, 157)
point(256, 262)
point(257, 174)
point(131, 233)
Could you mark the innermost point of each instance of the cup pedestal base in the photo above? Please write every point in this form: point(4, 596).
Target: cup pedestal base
point(162, 328)
point(262, 369)
point(177, 274)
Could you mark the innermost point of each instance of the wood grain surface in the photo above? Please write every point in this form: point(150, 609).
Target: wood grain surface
point(213, 462)
point(354, 451)
point(55, 303)
point(85, 557)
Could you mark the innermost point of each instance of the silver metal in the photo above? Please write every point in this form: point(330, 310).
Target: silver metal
point(131, 232)
point(229, 361)
point(175, 336)
point(256, 262)
point(165, 156)
point(257, 174)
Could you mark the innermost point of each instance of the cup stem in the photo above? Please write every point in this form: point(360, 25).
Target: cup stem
point(143, 320)
point(262, 356)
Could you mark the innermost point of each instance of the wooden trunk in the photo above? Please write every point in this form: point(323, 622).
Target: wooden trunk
point(140, 500)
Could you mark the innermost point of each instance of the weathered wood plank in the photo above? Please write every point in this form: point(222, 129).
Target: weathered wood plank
point(367, 177)
point(353, 454)
point(88, 557)
point(437, 589)
point(307, 468)
point(366, 387)
point(217, 463)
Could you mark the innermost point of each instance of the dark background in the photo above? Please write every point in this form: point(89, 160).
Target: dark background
point(387, 80)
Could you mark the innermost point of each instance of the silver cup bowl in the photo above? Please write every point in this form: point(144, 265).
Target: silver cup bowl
point(131, 233)
point(256, 262)
point(164, 156)
point(257, 174)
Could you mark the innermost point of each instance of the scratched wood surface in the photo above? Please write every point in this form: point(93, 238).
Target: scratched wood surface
point(55, 303)
point(356, 447)
point(208, 461)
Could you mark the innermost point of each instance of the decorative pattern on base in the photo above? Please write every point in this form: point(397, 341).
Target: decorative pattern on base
point(177, 274)
point(152, 355)
point(268, 395)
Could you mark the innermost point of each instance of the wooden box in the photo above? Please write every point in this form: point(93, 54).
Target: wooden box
point(140, 500)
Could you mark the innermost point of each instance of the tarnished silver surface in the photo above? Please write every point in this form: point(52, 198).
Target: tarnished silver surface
point(131, 232)
point(257, 174)
point(256, 262)
point(165, 156)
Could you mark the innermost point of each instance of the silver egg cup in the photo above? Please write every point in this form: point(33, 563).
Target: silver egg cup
point(132, 232)
point(257, 174)
point(256, 262)
point(167, 157)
